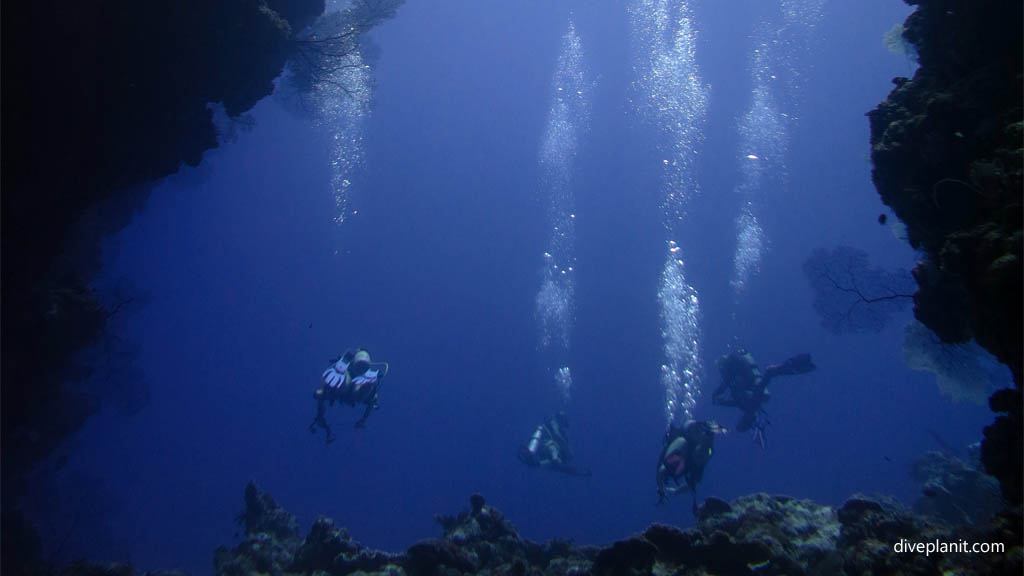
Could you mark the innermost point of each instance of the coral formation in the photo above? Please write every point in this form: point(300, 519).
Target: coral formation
point(954, 490)
point(947, 156)
point(851, 295)
point(963, 372)
point(757, 534)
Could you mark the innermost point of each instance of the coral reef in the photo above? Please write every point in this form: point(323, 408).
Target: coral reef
point(947, 156)
point(757, 534)
point(963, 372)
point(273, 544)
point(956, 491)
point(851, 295)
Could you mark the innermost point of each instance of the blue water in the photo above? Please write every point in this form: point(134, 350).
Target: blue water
point(251, 286)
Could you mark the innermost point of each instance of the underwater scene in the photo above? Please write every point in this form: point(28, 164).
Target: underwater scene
point(439, 288)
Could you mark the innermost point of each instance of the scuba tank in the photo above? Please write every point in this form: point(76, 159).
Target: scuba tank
point(535, 440)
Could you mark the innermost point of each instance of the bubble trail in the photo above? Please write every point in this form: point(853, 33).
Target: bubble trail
point(777, 80)
point(567, 121)
point(340, 102)
point(670, 96)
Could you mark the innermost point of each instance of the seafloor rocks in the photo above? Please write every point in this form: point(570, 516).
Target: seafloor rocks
point(328, 549)
point(757, 534)
point(791, 535)
point(272, 544)
point(633, 556)
point(754, 535)
point(262, 514)
point(947, 154)
point(762, 534)
point(271, 538)
point(875, 537)
point(481, 539)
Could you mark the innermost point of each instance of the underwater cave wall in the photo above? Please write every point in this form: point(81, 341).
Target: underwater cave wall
point(100, 97)
point(947, 155)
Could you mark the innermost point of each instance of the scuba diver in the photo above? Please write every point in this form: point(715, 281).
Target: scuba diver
point(745, 387)
point(686, 450)
point(549, 447)
point(351, 379)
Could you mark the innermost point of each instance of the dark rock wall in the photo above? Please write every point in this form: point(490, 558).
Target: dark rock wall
point(100, 96)
point(947, 154)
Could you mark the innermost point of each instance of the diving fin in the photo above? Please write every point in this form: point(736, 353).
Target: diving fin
point(799, 364)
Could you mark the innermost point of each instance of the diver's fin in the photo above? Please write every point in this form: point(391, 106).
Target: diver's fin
point(799, 364)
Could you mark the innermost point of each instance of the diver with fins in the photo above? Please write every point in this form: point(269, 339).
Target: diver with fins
point(686, 449)
point(351, 379)
point(744, 386)
point(549, 447)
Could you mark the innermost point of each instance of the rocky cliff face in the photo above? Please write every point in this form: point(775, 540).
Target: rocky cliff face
point(100, 97)
point(947, 154)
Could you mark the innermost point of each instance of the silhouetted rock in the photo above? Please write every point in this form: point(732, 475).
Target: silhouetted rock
point(1001, 451)
point(323, 544)
point(713, 507)
point(262, 514)
point(431, 557)
point(756, 534)
point(947, 156)
point(626, 558)
point(101, 97)
point(270, 541)
point(329, 549)
point(476, 503)
point(478, 523)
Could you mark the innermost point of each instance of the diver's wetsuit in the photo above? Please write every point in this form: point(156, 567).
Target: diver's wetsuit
point(745, 387)
point(351, 379)
point(549, 448)
point(685, 451)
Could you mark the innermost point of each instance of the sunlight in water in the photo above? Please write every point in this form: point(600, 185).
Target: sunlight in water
point(670, 96)
point(568, 119)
